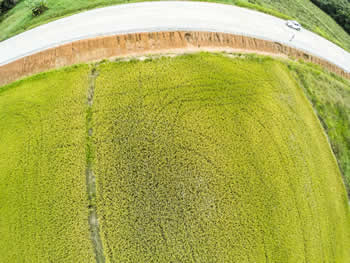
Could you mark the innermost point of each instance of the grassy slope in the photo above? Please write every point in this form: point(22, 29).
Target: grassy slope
point(19, 18)
point(43, 205)
point(204, 158)
point(330, 96)
point(311, 17)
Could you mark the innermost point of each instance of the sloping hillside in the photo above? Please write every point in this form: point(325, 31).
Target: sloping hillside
point(330, 97)
point(310, 16)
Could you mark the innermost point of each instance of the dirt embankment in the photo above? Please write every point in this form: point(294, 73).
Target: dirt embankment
point(142, 43)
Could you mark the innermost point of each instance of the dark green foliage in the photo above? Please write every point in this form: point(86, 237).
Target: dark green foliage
point(339, 10)
point(37, 6)
point(6, 5)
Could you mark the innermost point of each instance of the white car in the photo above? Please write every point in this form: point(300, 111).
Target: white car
point(293, 24)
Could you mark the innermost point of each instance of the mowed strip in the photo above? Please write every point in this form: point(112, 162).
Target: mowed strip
point(43, 200)
point(205, 158)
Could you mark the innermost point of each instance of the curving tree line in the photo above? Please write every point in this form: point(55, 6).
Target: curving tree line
point(339, 10)
point(6, 5)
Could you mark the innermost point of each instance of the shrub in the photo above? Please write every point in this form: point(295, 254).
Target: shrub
point(6, 5)
point(339, 10)
point(37, 6)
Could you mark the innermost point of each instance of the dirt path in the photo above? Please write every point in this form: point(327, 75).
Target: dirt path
point(90, 177)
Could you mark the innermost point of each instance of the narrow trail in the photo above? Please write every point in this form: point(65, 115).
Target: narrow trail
point(90, 177)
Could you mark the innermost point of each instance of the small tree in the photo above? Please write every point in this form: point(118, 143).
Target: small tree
point(7, 5)
point(37, 6)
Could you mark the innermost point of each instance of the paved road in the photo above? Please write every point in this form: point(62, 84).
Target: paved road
point(168, 16)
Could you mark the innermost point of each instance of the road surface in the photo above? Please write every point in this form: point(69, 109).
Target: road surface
point(169, 16)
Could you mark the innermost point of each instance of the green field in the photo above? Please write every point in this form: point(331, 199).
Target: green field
point(43, 205)
point(20, 19)
point(197, 158)
point(330, 96)
point(309, 15)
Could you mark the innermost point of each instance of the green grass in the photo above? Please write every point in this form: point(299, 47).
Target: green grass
point(330, 96)
point(203, 158)
point(197, 158)
point(20, 19)
point(43, 204)
point(310, 16)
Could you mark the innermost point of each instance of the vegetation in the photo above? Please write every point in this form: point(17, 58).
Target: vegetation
point(6, 5)
point(20, 18)
point(197, 158)
point(204, 158)
point(330, 96)
point(311, 17)
point(43, 204)
point(37, 6)
point(339, 10)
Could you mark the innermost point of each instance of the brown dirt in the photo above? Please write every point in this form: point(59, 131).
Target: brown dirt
point(139, 44)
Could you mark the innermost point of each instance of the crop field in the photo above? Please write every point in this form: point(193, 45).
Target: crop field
point(43, 205)
point(20, 19)
point(202, 157)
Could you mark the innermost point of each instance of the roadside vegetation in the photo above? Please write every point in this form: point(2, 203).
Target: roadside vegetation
point(330, 97)
point(339, 10)
point(309, 15)
point(20, 18)
point(6, 5)
point(195, 158)
point(37, 6)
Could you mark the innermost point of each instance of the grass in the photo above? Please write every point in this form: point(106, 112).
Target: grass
point(197, 158)
point(204, 158)
point(43, 204)
point(310, 16)
point(20, 19)
point(330, 96)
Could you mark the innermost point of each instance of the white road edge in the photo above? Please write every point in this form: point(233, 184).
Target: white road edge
point(169, 16)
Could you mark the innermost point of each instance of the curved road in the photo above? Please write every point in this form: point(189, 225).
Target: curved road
point(169, 16)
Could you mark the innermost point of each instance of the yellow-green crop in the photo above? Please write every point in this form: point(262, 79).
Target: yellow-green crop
point(197, 158)
point(43, 204)
point(203, 158)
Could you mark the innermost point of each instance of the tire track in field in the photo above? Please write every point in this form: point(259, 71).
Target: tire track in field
point(90, 177)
